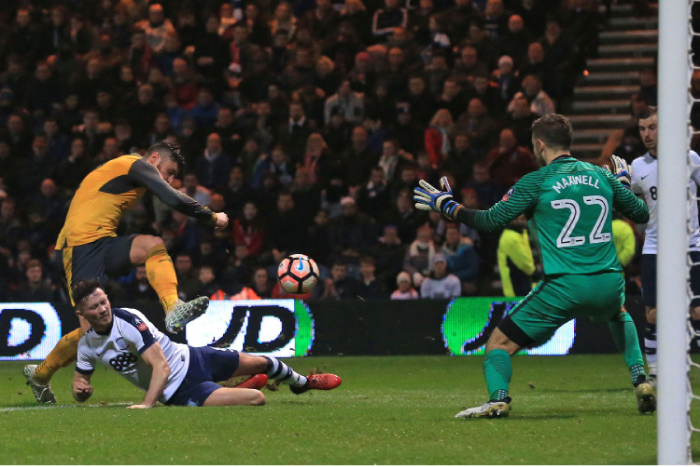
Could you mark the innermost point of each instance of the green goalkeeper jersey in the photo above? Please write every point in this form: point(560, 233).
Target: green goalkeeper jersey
point(568, 203)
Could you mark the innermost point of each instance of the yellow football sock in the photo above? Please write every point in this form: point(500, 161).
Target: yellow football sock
point(161, 275)
point(65, 353)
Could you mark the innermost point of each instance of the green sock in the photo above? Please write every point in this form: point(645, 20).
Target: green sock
point(625, 334)
point(498, 371)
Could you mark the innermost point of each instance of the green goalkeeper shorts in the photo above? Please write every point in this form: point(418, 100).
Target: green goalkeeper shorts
point(557, 300)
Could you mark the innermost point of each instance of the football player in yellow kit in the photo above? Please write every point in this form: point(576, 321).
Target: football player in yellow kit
point(88, 245)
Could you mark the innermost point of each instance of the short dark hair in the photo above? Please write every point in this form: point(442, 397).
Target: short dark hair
point(84, 288)
point(367, 260)
point(554, 129)
point(173, 152)
point(648, 111)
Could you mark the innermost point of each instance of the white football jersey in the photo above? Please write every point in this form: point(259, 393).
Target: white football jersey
point(645, 176)
point(132, 334)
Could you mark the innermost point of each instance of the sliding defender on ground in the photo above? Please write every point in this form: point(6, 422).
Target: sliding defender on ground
point(88, 245)
point(645, 182)
point(174, 374)
point(569, 206)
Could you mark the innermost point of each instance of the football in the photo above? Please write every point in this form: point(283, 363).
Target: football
point(298, 274)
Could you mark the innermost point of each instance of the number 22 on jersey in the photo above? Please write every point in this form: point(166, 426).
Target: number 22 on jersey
point(565, 240)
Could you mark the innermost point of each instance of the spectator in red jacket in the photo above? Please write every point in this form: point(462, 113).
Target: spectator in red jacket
point(250, 230)
point(509, 162)
point(437, 137)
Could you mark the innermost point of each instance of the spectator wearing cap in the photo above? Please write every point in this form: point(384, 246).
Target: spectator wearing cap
point(437, 137)
point(440, 284)
point(349, 102)
point(352, 233)
point(387, 18)
point(506, 80)
point(370, 288)
point(509, 162)
point(404, 290)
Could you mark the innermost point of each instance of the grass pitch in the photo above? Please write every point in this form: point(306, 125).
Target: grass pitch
point(389, 410)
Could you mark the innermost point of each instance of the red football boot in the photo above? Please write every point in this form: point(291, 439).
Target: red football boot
point(322, 382)
point(254, 382)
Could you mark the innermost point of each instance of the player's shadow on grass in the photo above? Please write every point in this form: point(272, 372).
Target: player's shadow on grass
point(581, 391)
point(545, 417)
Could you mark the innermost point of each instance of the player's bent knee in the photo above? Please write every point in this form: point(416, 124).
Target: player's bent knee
point(250, 364)
point(140, 247)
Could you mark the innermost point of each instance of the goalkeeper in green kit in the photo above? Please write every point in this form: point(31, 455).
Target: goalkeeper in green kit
point(569, 204)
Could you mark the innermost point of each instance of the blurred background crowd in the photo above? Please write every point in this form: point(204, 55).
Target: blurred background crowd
point(308, 122)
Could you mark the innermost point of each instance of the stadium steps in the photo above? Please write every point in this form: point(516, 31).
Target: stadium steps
point(628, 50)
point(619, 106)
point(604, 92)
point(601, 97)
point(610, 78)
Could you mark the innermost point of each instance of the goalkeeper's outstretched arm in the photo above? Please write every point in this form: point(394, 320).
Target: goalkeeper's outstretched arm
point(520, 199)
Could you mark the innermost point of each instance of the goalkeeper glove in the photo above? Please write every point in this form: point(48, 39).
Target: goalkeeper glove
point(429, 198)
point(621, 170)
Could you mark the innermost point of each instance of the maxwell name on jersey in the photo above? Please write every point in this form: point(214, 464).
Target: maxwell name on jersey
point(575, 180)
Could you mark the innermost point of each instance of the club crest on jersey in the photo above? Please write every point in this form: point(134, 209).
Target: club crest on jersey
point(121, 343)
point(508, 194)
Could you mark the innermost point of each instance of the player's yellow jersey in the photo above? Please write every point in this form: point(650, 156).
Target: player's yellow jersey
point(99, 203)
point(111, 189)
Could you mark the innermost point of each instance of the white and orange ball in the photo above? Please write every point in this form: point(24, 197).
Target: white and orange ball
point(298, 274)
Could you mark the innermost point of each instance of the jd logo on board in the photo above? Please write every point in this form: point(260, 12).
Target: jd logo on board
point(281, 328)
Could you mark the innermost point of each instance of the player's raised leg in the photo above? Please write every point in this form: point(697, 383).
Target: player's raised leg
point(161, 275)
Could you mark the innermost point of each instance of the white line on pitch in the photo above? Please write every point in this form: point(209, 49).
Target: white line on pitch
point(44, 407)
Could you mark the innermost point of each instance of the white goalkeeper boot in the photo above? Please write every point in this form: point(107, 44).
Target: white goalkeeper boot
point(42, 392)
point(491, 409)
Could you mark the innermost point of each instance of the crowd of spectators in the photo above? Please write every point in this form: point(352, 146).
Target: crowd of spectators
point(309, 123)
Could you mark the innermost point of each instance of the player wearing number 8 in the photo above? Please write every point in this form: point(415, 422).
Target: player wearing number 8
point(569, 204)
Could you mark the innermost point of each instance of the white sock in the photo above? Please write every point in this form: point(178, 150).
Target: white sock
point(283, 373)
